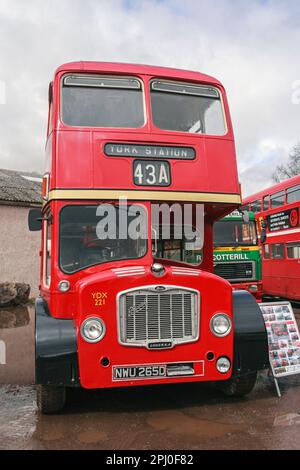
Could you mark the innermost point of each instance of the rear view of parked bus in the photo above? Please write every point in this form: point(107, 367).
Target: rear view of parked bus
point(140, 162)
point(277, 211)
point(237, 255)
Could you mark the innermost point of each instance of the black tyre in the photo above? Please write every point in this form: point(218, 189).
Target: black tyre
point(239, 386)
point(51, 399)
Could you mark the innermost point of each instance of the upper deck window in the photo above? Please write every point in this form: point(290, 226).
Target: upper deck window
point(266, 203)
point(95, 101)
point(189, 108)
point(293, 194)
point(256, 206)
point(277, 199)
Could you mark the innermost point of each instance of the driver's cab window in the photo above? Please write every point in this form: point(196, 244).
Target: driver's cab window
point(176, 245)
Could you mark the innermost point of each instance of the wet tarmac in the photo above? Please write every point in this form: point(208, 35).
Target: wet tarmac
point(17, 333)
point(182, 416)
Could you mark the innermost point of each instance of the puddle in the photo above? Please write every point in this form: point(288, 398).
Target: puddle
point(176, 422)
point(288, 419)
point(162, 417)
point(17, 345)
point(92, 437)
point(18, 416)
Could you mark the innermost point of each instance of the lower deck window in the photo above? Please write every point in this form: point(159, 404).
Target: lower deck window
point(179, 249)
point(277, 251)
point(293, 250)
point(266, 251)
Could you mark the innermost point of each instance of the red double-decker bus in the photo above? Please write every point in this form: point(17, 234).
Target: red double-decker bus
point(277, 211)
point(120, 310)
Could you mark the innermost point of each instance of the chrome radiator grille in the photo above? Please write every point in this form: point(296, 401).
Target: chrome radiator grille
point(158, 314)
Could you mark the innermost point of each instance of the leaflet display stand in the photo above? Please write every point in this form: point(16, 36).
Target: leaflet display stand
point(270, 374)
point(283, 339)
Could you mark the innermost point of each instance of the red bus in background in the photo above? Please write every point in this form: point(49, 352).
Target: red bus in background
point(122, 311)
point(277, 209)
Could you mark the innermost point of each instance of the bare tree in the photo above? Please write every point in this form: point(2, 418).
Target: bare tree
point(292, 168)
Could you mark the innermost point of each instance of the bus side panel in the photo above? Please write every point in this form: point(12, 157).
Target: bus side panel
point(293, 275)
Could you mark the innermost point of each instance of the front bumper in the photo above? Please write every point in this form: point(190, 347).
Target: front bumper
point(64, 358)
point(59, 361)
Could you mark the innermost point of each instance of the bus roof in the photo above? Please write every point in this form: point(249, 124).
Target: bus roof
point(236, 215)
point(115, 67)
point(273, 189)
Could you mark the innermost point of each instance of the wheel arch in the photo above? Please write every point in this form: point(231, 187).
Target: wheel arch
point(250, 336)
point(55, 348)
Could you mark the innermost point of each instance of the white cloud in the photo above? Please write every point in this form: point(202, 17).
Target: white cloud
point(250, 46)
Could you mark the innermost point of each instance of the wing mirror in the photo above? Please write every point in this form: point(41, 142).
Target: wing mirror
point(246, 216)
point(35, 220)
point(263, 236)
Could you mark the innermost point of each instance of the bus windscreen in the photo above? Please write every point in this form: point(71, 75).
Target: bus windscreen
point(84, 243)
point(234, 233)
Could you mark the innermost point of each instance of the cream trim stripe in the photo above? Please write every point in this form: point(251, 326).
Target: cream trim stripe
point(278, 233)
point(55, 194)
point(237, 248)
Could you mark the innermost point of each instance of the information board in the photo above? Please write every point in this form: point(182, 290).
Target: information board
point(283, 338)
point(283, 220)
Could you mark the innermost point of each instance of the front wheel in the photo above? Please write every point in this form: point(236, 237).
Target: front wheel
point(239, 386)
point(51, 399)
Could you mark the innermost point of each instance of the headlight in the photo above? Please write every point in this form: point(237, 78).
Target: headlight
point(64, 286)
point(253, 288)
point(220, 324)
point(92, 329)
point(223, 365)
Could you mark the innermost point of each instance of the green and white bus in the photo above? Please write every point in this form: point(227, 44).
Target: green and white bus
point(237, 255)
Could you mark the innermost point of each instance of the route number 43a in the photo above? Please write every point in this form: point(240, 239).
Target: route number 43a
point(152, 173)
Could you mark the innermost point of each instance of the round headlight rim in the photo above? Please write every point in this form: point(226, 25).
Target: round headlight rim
point(66, 283)
point(220, 314)
point(229, 364)
point(253, 288)
point(99, 320)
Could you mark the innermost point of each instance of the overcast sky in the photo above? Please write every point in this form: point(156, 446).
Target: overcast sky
point(251, 46)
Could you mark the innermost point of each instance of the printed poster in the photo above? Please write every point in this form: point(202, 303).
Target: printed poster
point(283, 338)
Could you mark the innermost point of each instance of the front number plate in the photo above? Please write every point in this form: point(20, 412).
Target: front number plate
point(139, 372)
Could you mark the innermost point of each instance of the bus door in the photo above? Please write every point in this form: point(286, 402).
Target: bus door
point(274, 270)
point(293, 269)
